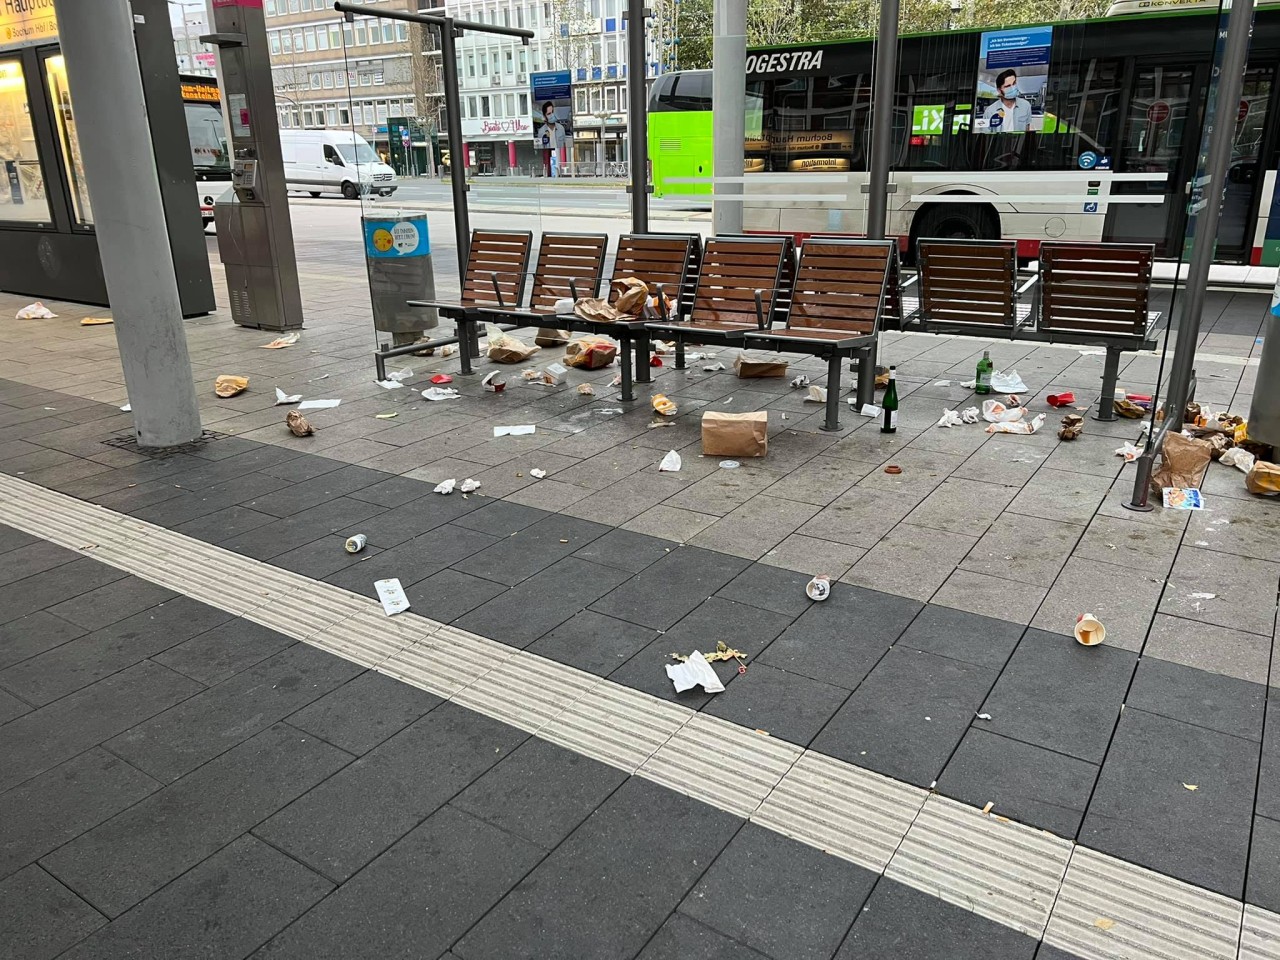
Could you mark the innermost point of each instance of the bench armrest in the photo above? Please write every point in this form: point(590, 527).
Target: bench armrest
point(1028, 285)
point(906, 283)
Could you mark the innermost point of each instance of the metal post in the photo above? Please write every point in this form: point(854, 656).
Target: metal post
point(1264, 412)
point(1220, 114)
point(729, 108)
point(882, 103)
point(133, 242)
point(637, 119)
point(457, 149)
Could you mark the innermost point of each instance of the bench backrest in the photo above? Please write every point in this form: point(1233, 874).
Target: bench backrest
point(567, 261)
point(968, 282)
point(504, 253)
point(841, 285)
point(733, 268)
point(891, 310)
point(1101, 288)
point(657, 259)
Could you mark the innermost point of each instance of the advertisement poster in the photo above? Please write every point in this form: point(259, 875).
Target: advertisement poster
point(552, 103)
point(1013, 68)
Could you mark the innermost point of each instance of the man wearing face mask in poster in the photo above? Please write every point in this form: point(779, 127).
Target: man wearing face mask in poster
point(1011, 113)
point(551, 134)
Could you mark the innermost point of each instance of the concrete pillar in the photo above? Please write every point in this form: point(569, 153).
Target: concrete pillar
point(729, 107)
point(124, 191)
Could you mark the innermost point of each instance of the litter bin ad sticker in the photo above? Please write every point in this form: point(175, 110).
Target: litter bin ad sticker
point(1012, 72)
point(396, 238)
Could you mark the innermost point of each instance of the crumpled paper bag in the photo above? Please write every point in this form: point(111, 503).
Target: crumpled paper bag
point(735, 434)
point(504, 348)
point(298, 424)
point(228, 386)
point(590, 352)
point(1182, 462)
point(597, 310)
point(632, 293)
point(1263, 478)
point(551, 338)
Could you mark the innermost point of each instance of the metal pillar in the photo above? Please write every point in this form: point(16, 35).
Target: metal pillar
point(133, 242)
point(457, 149)
point(1264, 412)
point(637, 115)
point(729, 107)
point(1211, 172)
point(882, 102)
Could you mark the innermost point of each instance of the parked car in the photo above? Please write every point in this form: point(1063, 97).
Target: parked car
point(334, 161)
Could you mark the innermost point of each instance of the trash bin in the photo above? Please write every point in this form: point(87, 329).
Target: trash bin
point(398, 255)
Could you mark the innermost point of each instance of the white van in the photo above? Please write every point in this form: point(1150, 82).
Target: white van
point(334, 161)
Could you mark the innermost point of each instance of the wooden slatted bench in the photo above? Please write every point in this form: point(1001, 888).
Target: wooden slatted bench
point(971, 286)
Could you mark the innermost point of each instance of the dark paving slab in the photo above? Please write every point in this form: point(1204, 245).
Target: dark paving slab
point(323, 558)
point(305, 494)
point(195, 731)
point(59, 805)
point(116, 601)
point(201, 503)
point(225, 907)
point(33, 558)
point(51, 586)
point(1142, 812)
point(44, 738)
point(1060, 695)
point(364, 712)
point(1195, 696)
point(593, 642)
point(962, 636)
point(303, 468)
point(663, 593)
point(417, 898)
point(899, 923)
point(11, 707)
point(86, 660)
point(783, 898)
point(498, 518)
point(626, 550)
point(394, 492)
point(1269, 774)
point(1026, 783)
point(34, 634)
point(40, 918)
point(839, 640)
point(449, 595)
point(683, 938)
point(615, 866)
point(11, 538)
point(532, 549)
point(540, 792)
point(907, 717)
point(224, 524)
point(1263, 884)
point(770, 588)
point(273, 539)
point(786, 705)
point(224, 651)
point(354, 816)
point(122, 861)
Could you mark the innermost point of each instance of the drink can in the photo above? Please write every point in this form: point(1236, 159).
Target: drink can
point(356, 544)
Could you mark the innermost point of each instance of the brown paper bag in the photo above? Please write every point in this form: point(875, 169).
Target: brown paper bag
point(508, 349)
point(1264, 478)
point(735, 434)
point(594, 308)
point(753, 365)
point(551, 338)
point(228, 385)
point(590, 353)
point(632, 293)
point(1182, 462)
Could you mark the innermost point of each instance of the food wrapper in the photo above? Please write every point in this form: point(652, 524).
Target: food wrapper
point(1239, 458)
point(735, 434)
point(1263, 478)
point(504, 348)
point(551, 338)
point(590, 353)
point(631, 295)
point(1072, 426)
point(750, 366)
point(1182, 463)
point(664, 406)
point(993, 411)
point(596, 309)
point(1018, 426)
point(229, 386)
point(298, 424)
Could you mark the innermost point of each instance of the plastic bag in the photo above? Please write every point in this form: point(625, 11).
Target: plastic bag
point(993, 411)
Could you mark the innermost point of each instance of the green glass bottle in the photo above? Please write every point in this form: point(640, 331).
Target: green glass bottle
point(890, 404)
point(982, 383)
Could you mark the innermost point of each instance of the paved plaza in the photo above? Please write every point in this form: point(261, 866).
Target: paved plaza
point(214, 743)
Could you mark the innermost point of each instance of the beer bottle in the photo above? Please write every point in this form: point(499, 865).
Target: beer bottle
point(982, 382)
point(890, 404)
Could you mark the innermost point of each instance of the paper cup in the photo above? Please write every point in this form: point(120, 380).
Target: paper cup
point(1089, 630)
point(819, 588)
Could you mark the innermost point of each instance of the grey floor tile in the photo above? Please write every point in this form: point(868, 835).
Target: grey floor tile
point(304, 494)
point(40, 918)
point(625, 550)
point(1031, 548)
point(911, 561)
point(781, 897)
point(809, 556)
point(303, 468)
point(540, 792)
point(616, 866)
point(906, 718)
point(226, 906)
point(346, 822)
point(859, 517)
point(122, 861)
point(417, 898)
point(11, 707)
point(1144, 811)
point(448, 595)
point(44, 738)
point(755, 527)
point(1263, 886)
point(59, 805)
point(115, 601)
point(839, 640)
point(33, 558)
point(1002, 462)
point(593, 642)
point(394, 492)
point(362, 713)
point(991, 596)
point(785, 705)
point(900, 923)
point(1207, 646)
point(21, 597)
point(769, 588)
point(683, 938)
point(1236, 527)
point(1057, 694)
point(1026, 783)
point(668, 590)
point(952, 633)
point(669, 523)
point(413, 560)
point(1123, 599)
point(967, 507)
point(531, 550)
point(1243, 590)
point(1269, 775)
point(322, 558)
point(1145, 547)
point(195, 731)
point(499, 518)
point(1194, 696)
point(224, 651)
point(224, 524)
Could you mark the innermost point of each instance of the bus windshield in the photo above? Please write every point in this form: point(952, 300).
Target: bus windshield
point(208, 138)
point(357, 153)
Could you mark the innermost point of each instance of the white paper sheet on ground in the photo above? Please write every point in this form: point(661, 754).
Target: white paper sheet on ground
point(127, 408)
point(993, 411)
point(970, 415)
point(942, 383)
point(816, 394)
point(1129, 452)
point(318, 404)
point(670, 463)
point(469, 485)
point(1010, 382)
point(446, 487)
point(1023, 426)
point(694, 672)
point(36, 311)
point(1235, 457)
point(519, 430)
point(968, 384)
point(440, 393)
point(868, 409)
point(283, 398)
point(392, 596)
point(713, 367)
point(537, 474)
point(800, 381)
point(389, 384)
point(399, 375)
point(950, 418)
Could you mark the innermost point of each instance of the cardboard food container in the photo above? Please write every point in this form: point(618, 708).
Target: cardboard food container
point(749, 366)
point(735, 434)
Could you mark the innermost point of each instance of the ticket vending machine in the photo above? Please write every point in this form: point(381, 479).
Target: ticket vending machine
point(255, 236)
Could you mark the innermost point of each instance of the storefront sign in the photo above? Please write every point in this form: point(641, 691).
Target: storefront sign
point(24, 22)
point(497, 129)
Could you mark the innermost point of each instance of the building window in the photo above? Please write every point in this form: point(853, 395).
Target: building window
point(388, 32)
point(471, 65)
point(327, 79)
point(315, 81)
point(374, 36)
point(322, 38)
point(293, 6)
point(275, 41)
point(484, 64)
point(269, 8)
point(344, 116)
point(299, 44)
point(524, 105)
point(402, 32)
point(471, 107)
point(286, 41)
point(307, 118)
point(611, 99)
point(520, 16)
point(362, 36)
point(508, 62)
point(332, 115)
point(580, 101)
point(310, 36)
point(484, 106)
point(382, 111)
point(368, 114)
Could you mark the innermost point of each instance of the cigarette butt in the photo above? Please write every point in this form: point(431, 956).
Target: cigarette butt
point(987, 808)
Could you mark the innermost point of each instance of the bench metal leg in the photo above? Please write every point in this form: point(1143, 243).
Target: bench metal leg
point(1106, 411)
point(465, 344)
point(866, 376)
point(643, 348)
point(380, 362)
point(679, 353)
point(832, 422)
point(626, 357)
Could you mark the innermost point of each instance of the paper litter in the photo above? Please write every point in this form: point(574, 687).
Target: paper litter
point(537, 474)
point(493, 381)
point(442, 378)
point(469, 485)
point(399, 375)
point(283, 398)
point(440, 393)
point(970, 415)
point(279, 343)
point(1182, 498)
point(1023, 427)
point(318, 404)
point(868, 409)
point(694, 672)
point(96, 321)
point(298, 424)
point(446, 487)
point(392, 596)
point(586, 390)
point(1239, 458)
point(664, 406)
point(36, 311)
point(968, 384)
point(993, 411)
point(228, 386)
point(385, 416)
point(519, 430)
point(799, 381)
point(670, 463)
point(389, 384)
point(127, 408)
point(949, 418)
point(942, 383)
point(1129, 452)
point(713, 367)
point(816, 395)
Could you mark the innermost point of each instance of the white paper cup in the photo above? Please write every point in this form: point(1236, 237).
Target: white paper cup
point(819, 588)
point(1089, 630)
